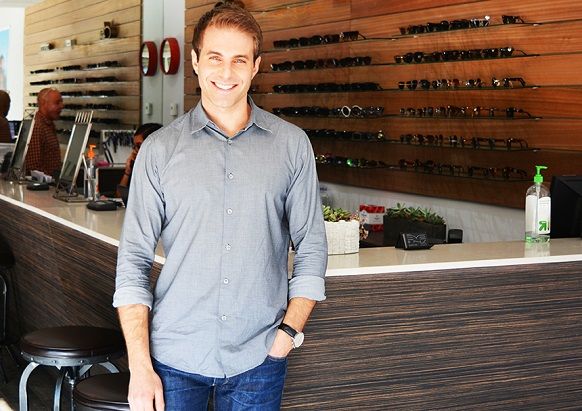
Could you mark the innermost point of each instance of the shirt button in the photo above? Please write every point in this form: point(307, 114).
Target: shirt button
point(225, 281)
point(230, 176)
point(229, 141)
point(229, 211)
point(223, 318)
point(228, 247)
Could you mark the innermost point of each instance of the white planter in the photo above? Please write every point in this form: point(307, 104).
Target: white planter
point(343, 237)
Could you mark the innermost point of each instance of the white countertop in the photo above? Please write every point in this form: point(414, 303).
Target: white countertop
point(106, 226)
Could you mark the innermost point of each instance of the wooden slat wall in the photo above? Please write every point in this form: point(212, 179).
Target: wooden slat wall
point(55, 21)
point(461, 339)
point(554, 67)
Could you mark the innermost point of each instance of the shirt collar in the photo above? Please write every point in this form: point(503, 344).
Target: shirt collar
point(199, 119)
point(41, 118)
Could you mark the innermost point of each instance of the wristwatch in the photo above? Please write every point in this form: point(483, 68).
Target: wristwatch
point(297, 337)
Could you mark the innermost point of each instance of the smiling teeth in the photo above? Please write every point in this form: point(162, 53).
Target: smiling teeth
point(224, 86)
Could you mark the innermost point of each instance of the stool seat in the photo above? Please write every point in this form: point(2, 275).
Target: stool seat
point(103, 392)
point(72, 342)
point(71, 349)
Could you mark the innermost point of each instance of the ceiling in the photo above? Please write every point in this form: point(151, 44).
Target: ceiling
point(17, 3)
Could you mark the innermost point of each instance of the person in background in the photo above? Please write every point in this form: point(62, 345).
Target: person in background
point(226, 187)
point(138, 137)
point(5, 136)
point(44, 152)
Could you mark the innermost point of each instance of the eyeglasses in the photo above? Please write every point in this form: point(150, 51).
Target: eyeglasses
point(494, 172)
point(507, 82)
point(340, 161)
point(72, 67)
point(317, 111)
point(511, 19)
point(322, 63)
point(455, 111)
point(446, 25)
point(420, 139)
point(104, 64)
point(41, 71)
point(453, 55)
point(346, 135)
point(318, 40)
point(101, 79)
point(326, 87)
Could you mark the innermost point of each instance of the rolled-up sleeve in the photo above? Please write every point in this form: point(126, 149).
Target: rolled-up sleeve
point(142, 226)
point(306, 227)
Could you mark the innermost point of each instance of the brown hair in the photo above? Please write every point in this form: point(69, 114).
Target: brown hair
point(231, 14)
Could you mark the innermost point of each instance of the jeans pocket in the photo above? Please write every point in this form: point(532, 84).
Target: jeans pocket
point(276, 359)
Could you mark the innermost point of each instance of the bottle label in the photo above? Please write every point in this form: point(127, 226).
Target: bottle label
point(530, 213)
point(544, 213)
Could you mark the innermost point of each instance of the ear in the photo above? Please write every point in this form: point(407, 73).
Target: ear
point(194, 61)
point(256, 66)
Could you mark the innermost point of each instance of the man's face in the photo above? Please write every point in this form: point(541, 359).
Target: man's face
point(225, 69)
point(53, 104)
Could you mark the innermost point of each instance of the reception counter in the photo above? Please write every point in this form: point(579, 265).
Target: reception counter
point(461, 326)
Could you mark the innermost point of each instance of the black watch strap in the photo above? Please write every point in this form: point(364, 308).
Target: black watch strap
point(288, 329)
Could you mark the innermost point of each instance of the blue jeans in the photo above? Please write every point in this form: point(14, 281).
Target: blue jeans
point(258, 389)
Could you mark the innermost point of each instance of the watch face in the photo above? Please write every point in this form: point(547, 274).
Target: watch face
point(298, 340)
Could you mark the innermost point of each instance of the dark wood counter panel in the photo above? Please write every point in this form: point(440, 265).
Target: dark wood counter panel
point(501, 337)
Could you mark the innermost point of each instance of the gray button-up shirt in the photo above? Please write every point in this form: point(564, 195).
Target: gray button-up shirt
point(225, 210)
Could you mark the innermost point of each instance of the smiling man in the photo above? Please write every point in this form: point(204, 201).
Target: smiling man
point(226, 187)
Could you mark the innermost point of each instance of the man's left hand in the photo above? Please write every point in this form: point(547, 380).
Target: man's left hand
point(282, 345)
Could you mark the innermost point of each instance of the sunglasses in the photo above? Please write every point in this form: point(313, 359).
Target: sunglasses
point(494, 172)
point(340, 161)
point(318, 40)
point(512, 19)
point(104, 64)
point(322, 63)
point(326, 87)
point(507, 82)
point(454, 55)
point(446, 25)
point(345, 135)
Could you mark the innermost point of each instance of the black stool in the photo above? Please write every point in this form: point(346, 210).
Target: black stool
point(73, 350)
point(102, 392)
point(6, 262)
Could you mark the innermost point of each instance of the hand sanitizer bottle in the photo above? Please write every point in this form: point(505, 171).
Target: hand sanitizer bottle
point(90, 183)
point(537, 210)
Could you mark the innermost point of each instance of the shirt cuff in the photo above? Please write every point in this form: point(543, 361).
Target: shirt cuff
point(311, 287)
point(132, 295)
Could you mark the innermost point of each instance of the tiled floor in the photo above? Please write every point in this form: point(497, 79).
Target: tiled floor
point(40, 387)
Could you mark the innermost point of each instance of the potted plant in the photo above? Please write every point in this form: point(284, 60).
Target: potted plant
point(343, 230)
point(402, 219)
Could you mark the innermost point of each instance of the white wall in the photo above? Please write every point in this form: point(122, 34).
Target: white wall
point(479, 222)
point(13, 18)
point(163, 19)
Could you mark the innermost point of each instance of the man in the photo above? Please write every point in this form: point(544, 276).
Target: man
point(226, 186)
point(44, 153)
point(5, 136)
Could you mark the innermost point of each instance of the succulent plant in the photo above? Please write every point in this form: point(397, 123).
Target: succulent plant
point(414, 214)
point(338, 214)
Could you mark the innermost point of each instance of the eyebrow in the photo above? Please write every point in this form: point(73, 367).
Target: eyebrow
point(221, 55)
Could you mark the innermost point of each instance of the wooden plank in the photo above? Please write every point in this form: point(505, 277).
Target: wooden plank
point(106, 10)
point(91, 34)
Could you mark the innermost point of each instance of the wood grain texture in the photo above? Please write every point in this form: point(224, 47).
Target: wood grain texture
point(554, 62)
point(55, 21)
point(473, 339)
point(463, 339)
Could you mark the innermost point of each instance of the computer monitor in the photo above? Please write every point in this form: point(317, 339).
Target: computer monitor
point(16, 170)
point(566, 194)
point(66, 184)
point(14, 126)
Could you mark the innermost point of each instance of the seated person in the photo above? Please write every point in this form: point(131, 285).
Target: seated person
point(5, 136)
point(44, 151)
point(139, 136)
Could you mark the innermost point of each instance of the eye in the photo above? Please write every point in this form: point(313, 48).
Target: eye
point(240, 61)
